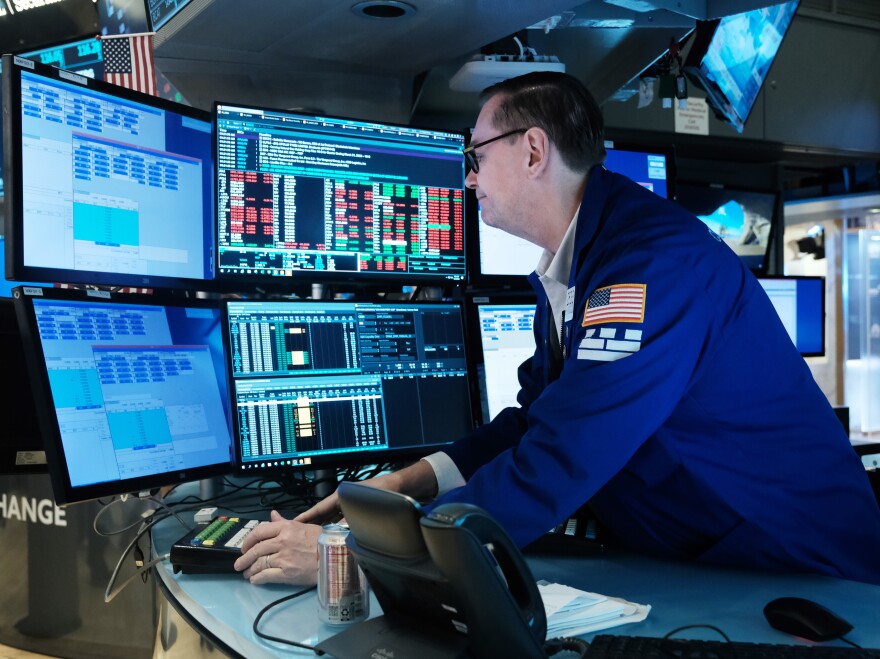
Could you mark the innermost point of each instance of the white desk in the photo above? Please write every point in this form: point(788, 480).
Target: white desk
point(222, 607)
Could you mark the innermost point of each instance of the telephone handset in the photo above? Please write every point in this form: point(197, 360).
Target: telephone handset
point(451, 583)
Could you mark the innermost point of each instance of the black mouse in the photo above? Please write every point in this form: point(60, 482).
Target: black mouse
point(802, 617)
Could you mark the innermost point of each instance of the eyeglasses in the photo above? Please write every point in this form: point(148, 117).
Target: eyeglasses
point(470, 160)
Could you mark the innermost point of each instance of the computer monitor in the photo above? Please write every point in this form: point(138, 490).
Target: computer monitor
point(499, 259)
point(730, 58)
point(800, 303)
point(162, 11)
point(131, 390)
point(104, 185)
point(29, 25)
point(325, 199)
point(744, 219)
point(327, 384)
point(502, 329)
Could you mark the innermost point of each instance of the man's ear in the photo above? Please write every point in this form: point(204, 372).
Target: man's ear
point(538, 143)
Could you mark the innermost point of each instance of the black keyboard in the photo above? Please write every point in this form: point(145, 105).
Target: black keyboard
point(606, 646)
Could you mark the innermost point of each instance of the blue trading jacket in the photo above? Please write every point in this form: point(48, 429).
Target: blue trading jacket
point(708, 439)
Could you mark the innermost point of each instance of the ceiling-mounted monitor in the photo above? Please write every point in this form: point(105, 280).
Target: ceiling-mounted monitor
point(744, 219)
point(104, 185)
point(162, 11)
point(25, 26)
point(731, 56)
point(306, 198)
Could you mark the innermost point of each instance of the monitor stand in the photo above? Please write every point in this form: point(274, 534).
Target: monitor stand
point(210, 488)
point(325, 482)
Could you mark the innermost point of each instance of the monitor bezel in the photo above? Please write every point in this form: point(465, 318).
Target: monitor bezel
point(824, 306)
point(345, 459)
point(64, 492)
point(16, 270)
point(477, 279)
point(774, 221)
point(354, 280)
point(718, 101)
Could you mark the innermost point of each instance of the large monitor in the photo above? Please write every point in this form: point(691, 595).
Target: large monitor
point(502, 329)
point(131, 390)
point(329, 199)
point(501, 259)
point(744, 219)
point(162, 11)
point(730, 58)
point(800, 303)
point(29, 25)
point(328, 384)
point(104, 185)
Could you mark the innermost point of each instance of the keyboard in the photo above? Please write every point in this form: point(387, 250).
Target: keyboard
point(606, 646)
point(212, 548)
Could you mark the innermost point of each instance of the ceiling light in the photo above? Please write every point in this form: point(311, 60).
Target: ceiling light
point(383, 9)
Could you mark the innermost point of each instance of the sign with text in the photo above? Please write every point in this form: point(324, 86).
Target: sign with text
point(693, 119)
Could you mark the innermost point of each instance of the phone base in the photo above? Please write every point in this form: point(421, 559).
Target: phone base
point(383, 637)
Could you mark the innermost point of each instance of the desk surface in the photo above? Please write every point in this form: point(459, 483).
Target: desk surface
point(223, 607)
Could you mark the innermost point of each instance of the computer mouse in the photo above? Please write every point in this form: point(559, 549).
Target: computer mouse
point(802, 617)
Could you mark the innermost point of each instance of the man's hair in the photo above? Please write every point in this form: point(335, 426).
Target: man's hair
point(559, 104)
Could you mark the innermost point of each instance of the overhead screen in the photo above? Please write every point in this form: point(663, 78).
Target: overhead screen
point(744, 219)
point(130, 390)
point(301, 196)
point(332, 383)
point(105, 186)
point(162, 11)
point(730, 58)
point(26, 25)
point(499, 258)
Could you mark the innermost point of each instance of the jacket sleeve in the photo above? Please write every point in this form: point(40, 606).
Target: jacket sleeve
point(585, 426)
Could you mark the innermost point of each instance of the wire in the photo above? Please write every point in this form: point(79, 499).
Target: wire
point(146, 568)
point(668, 636)
point(846, 640)
point(277, 639)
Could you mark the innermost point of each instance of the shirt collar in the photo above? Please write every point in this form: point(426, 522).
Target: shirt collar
point(557, 267)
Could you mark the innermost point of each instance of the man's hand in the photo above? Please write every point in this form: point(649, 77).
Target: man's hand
point(281, 551)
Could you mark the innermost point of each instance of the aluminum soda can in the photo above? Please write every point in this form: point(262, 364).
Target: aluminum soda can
point(343, 592)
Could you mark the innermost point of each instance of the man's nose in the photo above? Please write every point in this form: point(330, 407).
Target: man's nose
point(470, 180)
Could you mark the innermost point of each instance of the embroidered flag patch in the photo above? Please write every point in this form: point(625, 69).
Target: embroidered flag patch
point(608, 344)
point(621, 303)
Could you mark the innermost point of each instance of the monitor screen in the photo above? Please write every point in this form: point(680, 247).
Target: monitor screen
point(29, 25)
point(800, 303)
point(162, 11)
point(743, 219)
point(500, 258)
point(104, 185)
point(131, 390)
point(328, 199)
point(325, 384)
point(731, 56)
point(506, 340)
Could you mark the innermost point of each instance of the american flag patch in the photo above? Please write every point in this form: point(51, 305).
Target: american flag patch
point(621, 303)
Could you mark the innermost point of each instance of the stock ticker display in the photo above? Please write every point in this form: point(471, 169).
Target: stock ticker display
point(304, 193)
point(318, 380)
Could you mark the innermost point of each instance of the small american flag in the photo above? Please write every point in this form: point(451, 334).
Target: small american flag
point(621, 303)
point(128, 61)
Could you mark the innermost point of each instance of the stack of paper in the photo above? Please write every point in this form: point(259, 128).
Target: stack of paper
point(572, 612)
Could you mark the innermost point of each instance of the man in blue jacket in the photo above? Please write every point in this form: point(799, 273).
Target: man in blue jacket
point(664, 389)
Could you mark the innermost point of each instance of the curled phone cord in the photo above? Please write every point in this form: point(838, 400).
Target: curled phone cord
point(557, 645)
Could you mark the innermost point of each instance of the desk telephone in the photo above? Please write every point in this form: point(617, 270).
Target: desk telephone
point(451, 583)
